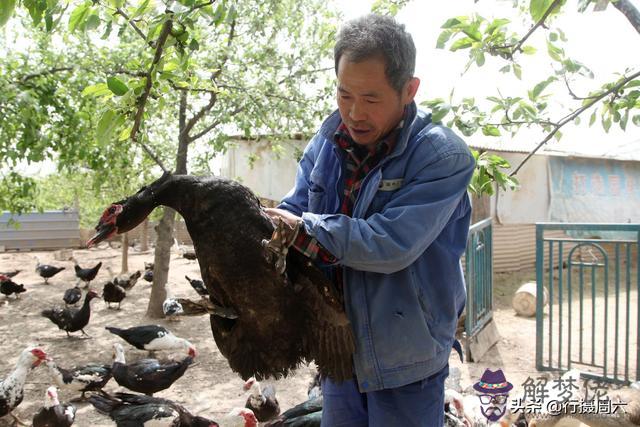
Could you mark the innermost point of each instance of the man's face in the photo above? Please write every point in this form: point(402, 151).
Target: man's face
point(368, 105)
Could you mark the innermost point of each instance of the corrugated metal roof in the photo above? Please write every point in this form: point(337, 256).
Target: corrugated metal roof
point(628, 151)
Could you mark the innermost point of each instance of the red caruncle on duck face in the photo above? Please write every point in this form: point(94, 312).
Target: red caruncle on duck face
point(107, 225)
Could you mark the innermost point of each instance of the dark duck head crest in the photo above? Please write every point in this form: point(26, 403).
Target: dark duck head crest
point(125, 215)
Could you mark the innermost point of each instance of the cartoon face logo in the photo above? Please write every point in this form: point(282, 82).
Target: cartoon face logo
point(493, 392)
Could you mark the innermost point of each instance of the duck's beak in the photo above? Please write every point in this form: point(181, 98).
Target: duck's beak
point(103, 231)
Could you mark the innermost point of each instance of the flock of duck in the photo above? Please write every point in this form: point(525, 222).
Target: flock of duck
point(145, 376)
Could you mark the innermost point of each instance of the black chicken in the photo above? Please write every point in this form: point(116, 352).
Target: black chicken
point(10, 274)
point(47, 271)
point(282, 319)
point(54, 413)
point(72, 295)
point(86, 274)
point(198, 286)
point(71, 319)
point(91, 377)
point(9, 287)
point(306, 414)
point(148, 275)
point(125, 281)
point(112, 293)
point(147, 376)
point(134, 410)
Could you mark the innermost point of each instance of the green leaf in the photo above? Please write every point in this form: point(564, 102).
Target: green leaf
point(478, 56)
point(558, 136)
point(140, 10)
point(439, 112)
point(489, 130)
point(194, 45)
point(78, 16)
point(624, 120)
point(93, 22)
point(505, 69)
point(537, 9)
point(554, 51)
point(108, 123)
point(125, 134)
point(117, 86)
point(636, 120)
point(495, 24)
point(529, 50)
point(472, 31)
point(443, 38)
point(462, 43)
point(592, 120)
point(517, 70)
point(452, 22)
point(6, 10)
point(97, 90)
point(537, 89)
point(606, 124)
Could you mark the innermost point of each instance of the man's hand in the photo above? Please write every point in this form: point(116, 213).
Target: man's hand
point(287, 226)
point(290, 219)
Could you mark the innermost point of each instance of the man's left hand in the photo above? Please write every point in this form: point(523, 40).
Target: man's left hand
point(290, 219)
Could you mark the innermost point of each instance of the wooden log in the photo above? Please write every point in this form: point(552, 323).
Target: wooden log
point(524, 300)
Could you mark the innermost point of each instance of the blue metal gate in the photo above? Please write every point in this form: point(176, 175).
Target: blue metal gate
point(479, 278)
point(591, 318)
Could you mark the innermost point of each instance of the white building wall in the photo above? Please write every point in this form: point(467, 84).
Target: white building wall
point(271, 175)
point(529, 203)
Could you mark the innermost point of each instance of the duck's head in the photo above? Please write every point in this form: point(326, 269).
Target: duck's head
point(127, 214)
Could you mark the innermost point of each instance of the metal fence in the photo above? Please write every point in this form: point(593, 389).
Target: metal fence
point(590, 320)
point(36, 231)
point(479, 277)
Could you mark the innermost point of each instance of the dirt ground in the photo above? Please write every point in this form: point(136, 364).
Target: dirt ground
point(209, 388)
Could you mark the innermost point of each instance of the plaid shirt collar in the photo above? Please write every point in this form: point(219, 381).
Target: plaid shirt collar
point(342, 138)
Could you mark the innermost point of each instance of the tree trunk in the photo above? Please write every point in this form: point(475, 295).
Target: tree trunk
point(144, 245)
point(481, 208)
point(630, 12)
point(164, 231)
point(125, 253)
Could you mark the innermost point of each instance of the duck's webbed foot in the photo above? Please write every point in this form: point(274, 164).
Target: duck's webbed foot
point(277, 248)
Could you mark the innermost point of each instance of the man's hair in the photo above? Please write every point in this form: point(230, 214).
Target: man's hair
point(375, 35)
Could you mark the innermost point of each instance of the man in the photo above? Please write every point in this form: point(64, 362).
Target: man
point(380, 201)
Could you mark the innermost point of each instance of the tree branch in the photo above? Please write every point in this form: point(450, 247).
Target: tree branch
point(569, 117)
point(268, 95)
point(213, 125)
point(552, 6)
point(201, 5)
point(300, 73)
point(27, 77)
point(134, 26)
point(142, 101)
point(184, 133)
point(629, 10)
point(197, 116)
point(572, 93)
point(232, 33)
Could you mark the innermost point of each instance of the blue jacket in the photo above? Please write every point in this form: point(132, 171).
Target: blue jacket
point(401, 249)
